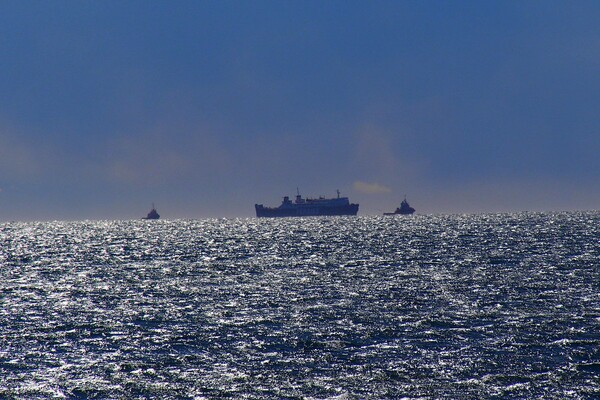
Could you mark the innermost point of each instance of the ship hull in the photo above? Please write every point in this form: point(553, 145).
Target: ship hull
point(307, 210)
point(400, 213)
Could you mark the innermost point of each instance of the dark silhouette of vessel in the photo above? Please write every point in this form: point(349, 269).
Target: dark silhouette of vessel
point(308, 207)
point(404, 209)
point(152, 214)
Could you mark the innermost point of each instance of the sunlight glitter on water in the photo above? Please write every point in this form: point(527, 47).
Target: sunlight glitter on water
point(367, 307)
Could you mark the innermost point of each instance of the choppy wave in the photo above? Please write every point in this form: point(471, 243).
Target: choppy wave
point(485, 306)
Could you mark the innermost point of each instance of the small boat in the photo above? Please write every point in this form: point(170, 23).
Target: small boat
point(152, 214)
point(404, 209)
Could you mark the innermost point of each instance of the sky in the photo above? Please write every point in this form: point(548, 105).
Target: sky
point(205, 108)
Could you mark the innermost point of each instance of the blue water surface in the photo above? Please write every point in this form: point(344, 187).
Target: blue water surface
point(419, 307)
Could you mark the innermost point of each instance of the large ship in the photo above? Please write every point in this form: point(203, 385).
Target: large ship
point(308, 207)
point(404, 209)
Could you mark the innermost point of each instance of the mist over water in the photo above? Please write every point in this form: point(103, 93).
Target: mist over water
point(464, 306)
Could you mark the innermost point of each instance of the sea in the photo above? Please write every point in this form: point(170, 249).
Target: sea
point(491, 306)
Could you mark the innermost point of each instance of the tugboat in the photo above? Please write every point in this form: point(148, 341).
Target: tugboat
point(308, 207)
point(404, 209)
point(152, 214)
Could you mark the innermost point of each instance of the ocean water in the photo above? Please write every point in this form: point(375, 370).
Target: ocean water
point(424, 307)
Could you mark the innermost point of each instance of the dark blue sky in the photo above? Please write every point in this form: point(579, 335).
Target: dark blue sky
point(206, 108)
